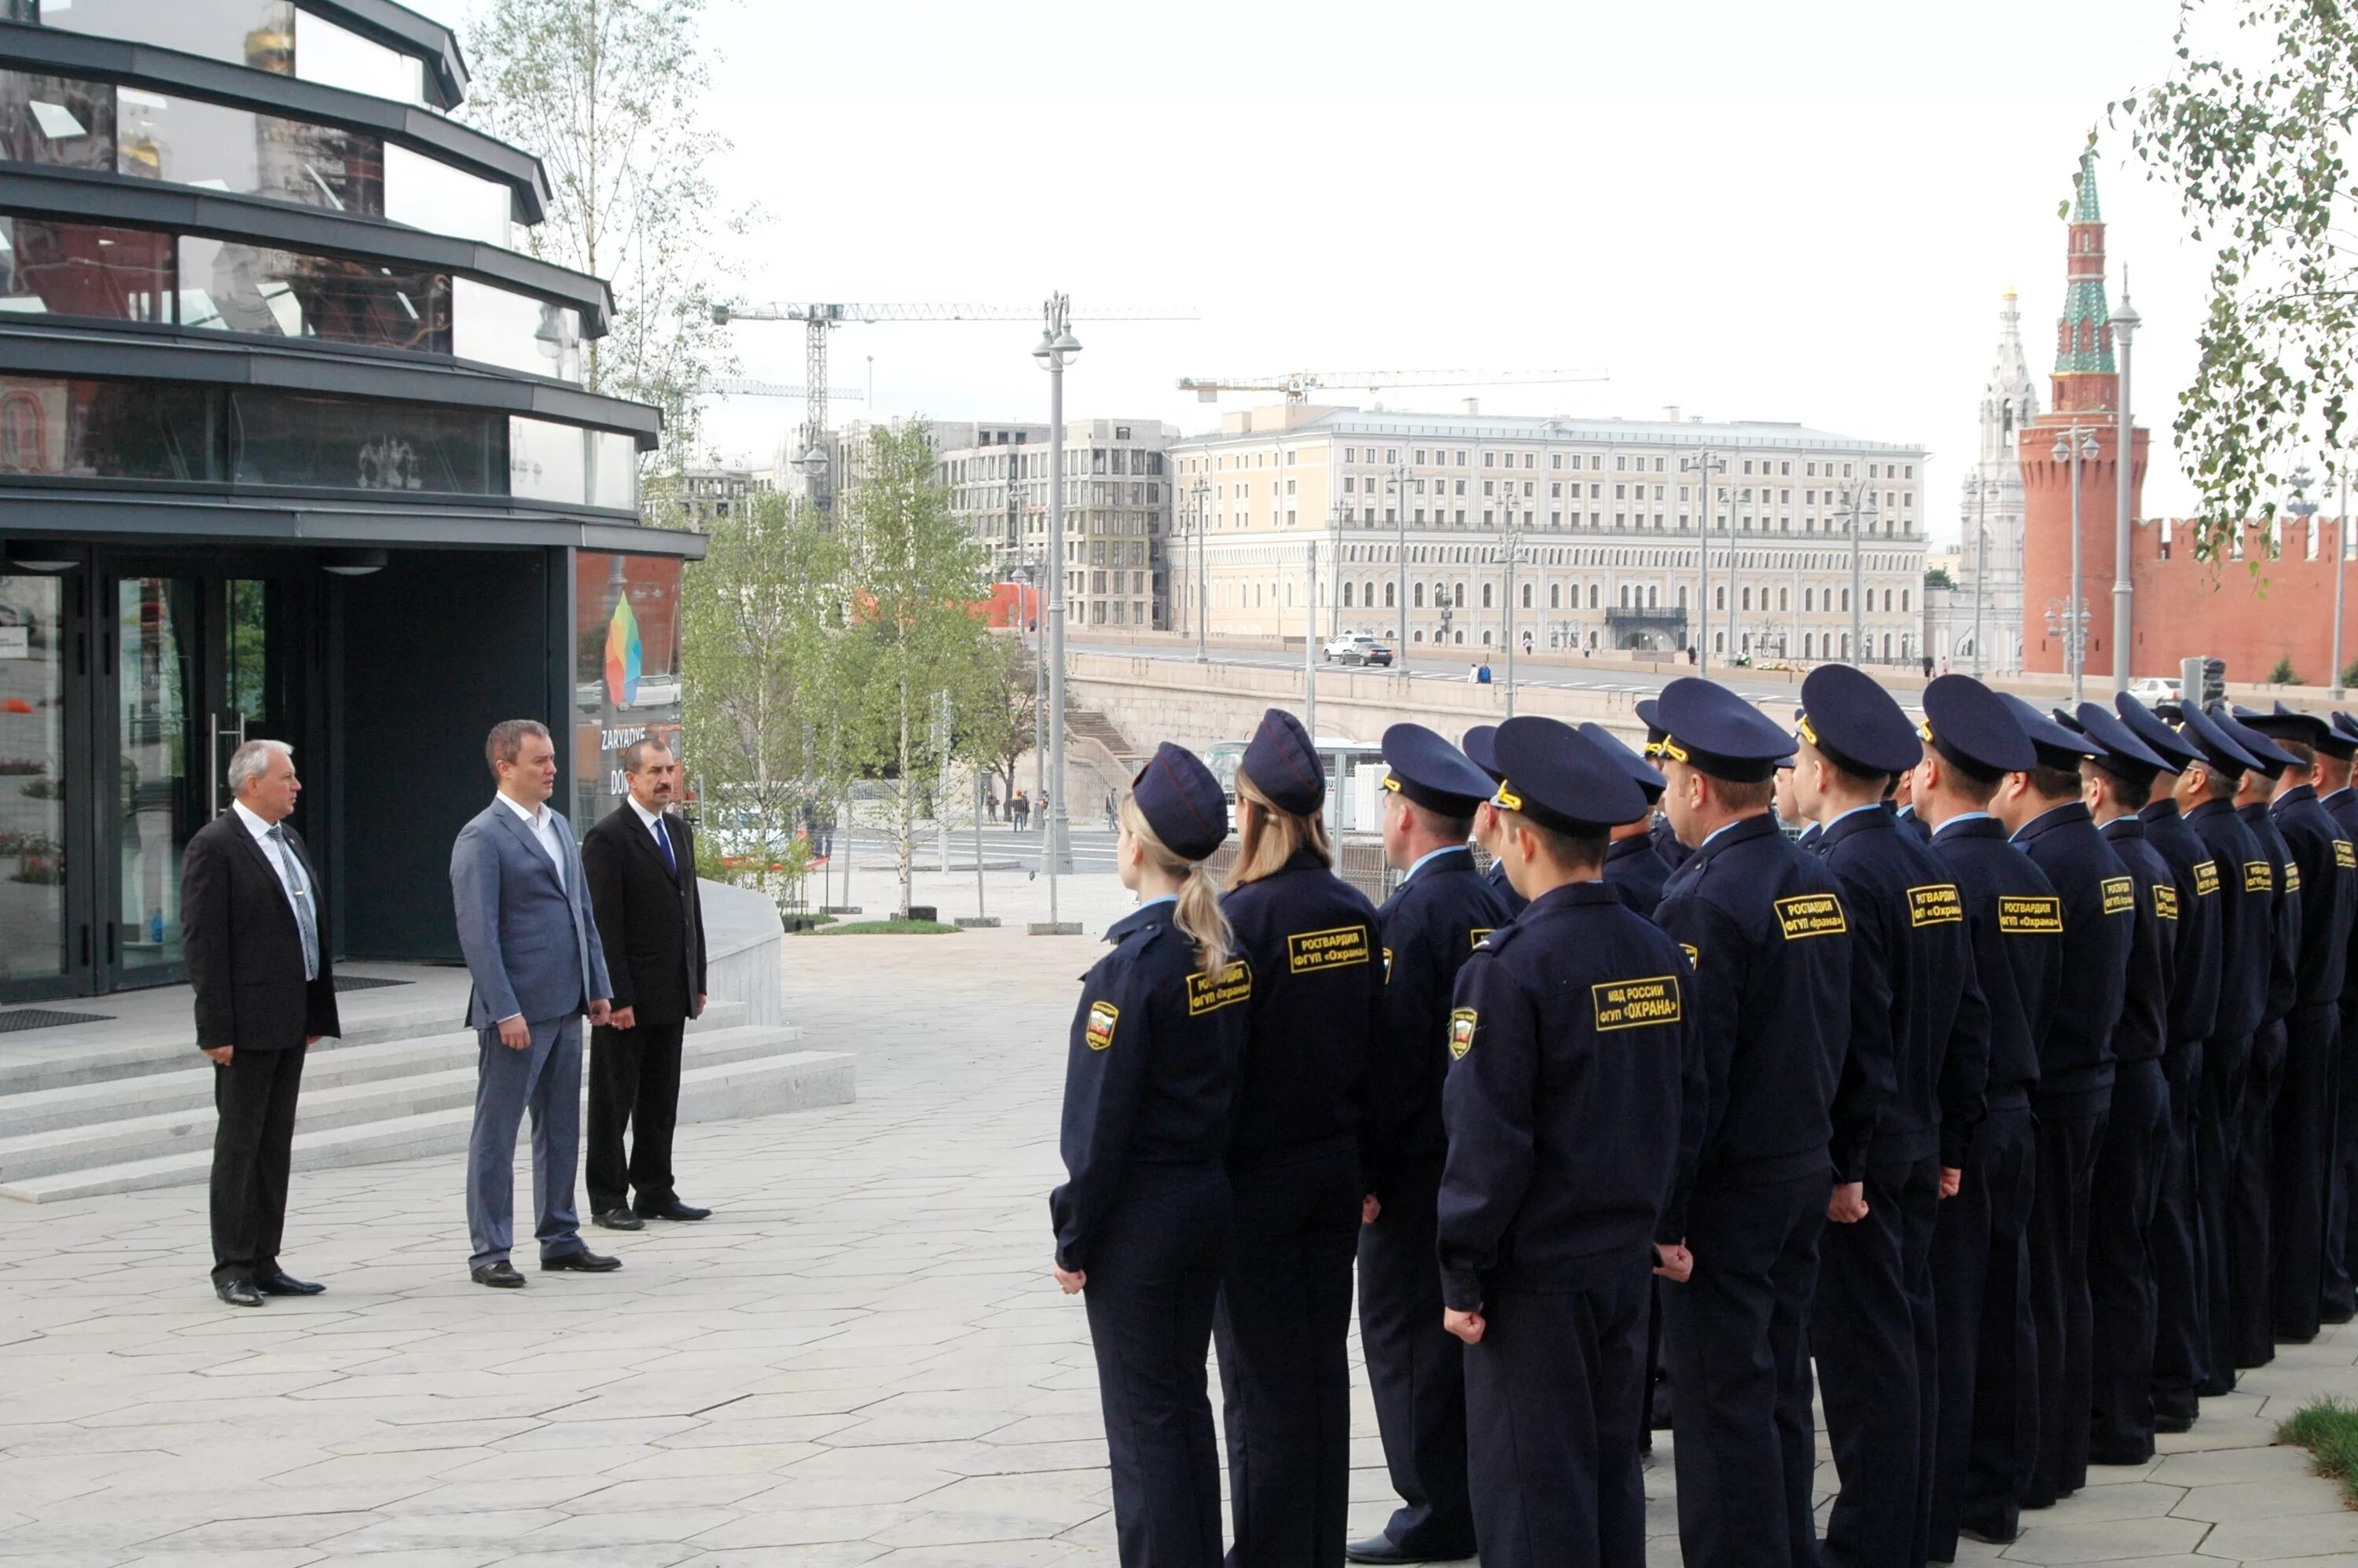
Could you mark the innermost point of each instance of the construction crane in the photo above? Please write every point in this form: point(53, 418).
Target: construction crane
point(1297, 385)
point(740, 386)
point(818, 318)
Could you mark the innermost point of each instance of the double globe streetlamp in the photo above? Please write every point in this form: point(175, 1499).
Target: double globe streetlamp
point(1058, 348)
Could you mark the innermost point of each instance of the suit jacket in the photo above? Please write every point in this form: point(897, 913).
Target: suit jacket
point(243, 949)
point(531, 942)
point(650, 922)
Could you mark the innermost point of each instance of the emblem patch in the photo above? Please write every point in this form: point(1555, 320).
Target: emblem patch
point(2165, 901)
point(1937, 905)
point(1811, 915)
point(2206, 878)
point(1387, 965)
point(1206, 993)
point(1461, 1033)
point(1694, 958)
point(2259, 876)
point(2024, 915)
point(2345, 854)
point(2120, 894)
point(2292, 876)
point(1478, 932)
point(1631, 1004)
point(1098, 1032)
point(1309, 951)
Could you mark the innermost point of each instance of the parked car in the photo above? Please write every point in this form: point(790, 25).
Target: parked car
point(1358, 648)
point(2156, 688)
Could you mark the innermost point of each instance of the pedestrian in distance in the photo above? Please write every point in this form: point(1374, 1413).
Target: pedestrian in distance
point(1142, 1217)
point(532, 948)
point(1110, 818)
point(255, 931)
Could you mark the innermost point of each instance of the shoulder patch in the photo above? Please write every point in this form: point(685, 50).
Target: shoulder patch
point(1694, 958)
point(2120, 894)
point(2028, 915)
point(1474, 935)
point(1207, 992)
point(2345, 854)
point(1632, 1004)
point(2165, 901)
point(1098, 1031)
point(2292, 876)
point(1309, 951)
point(1495, 939)
point(2259, 876)
point(1387, 965)
point(1461, 1033)
point(2206, 878)
point(1936, 904)
point(1811, 915)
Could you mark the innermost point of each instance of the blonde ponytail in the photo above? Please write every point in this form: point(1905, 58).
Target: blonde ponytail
point(1198, 916)
point(1272, 836)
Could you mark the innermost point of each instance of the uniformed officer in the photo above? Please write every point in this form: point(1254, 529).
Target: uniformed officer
point(2126, 1193)
point(1143, 1214)
point(2206, 795)
point(1903, 806)
point(1764, 925)
point(1295, 1162)
point(1429, 928)
point(2335, 752)
point(1789, 810)
point(1476, 744)
point(1912, 1089)
point(1575, 1106)
point(2182, 1358)
point(1634, 868)
point(1666, 838)
point(2252, 1266)
point(1987, 1416)
point(2328, 865)
point(2041, 808)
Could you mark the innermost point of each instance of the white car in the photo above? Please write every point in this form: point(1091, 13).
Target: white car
point(1358, 648)
point(2156, 688)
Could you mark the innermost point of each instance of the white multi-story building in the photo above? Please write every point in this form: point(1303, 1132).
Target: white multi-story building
point(1989, 570)
point(1413, 517)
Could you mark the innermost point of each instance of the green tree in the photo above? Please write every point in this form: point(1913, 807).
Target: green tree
point(2251, 128)
point(1002, 728)
point(1937, 577)
point(2284, 673)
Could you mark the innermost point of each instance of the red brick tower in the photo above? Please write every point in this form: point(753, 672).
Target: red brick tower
point(2086, 390)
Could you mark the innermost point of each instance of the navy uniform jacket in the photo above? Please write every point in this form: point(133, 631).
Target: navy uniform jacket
point(1666, 843)
point(1906, 817)
point(2016, 923)
point(1764, 926)
point(1919, 1027)
point(1317, 977)
point(1575, 1101)
point(2195, 953)
point(2075, 1061)
point(1512, 901)
point(2343, 807)
point(2143, 1033)
point(1637, 871)
point(2328, 882)
point(2284, 927)
point(1150, 1073)
point(2246, 911)
point(1429, 927)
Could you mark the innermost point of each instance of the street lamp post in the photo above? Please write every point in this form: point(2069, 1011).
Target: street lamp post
point(1058, 348)
point(1310, 638)
point(1703, 465)
point(1856, 509)
point(2341, 568)
point(1732, 522)
point(2126, 321)
point(1336, 514)
point(2305, 507)
point(1513, 538)
point(2076, 446)
point(1203, 591)
point(1981, 486)
point(1399, 485)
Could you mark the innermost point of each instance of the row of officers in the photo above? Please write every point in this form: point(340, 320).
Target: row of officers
point(2008, 1102)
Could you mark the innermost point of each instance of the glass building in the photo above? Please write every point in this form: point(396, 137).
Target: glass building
point(294, 443)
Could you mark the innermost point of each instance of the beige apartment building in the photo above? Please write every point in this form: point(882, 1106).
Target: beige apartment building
point(1413, 518)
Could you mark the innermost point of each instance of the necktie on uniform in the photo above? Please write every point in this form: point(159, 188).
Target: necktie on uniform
point(305, 920)
point(663, 842)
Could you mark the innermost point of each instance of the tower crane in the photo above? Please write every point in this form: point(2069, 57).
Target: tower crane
point(741, 386)
point(1298, 384)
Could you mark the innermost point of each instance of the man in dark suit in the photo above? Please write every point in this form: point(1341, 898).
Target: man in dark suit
point(256, 940)
point(641, 863)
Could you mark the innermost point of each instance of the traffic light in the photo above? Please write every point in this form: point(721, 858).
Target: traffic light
point(2203, 681)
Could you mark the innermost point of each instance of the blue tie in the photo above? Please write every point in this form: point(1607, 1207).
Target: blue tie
point(663, 841)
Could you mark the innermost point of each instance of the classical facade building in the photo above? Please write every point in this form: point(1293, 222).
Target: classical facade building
point(1419, 520)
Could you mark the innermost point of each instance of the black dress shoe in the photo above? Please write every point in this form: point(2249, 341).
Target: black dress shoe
point(238, 1293)
point(674, 1209)
point(1988, 1537)
point(618, 1219)
point(2171, 1420)
point(1383, 1549)
point(499, 1276)
point(285, 1284)
point(584, 1261)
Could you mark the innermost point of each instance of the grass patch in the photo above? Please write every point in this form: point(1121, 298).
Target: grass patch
point(884, 928)
point(2329, 1430)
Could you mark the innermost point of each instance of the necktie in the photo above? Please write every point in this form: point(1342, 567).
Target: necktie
point(305, 921)
point(663, 842)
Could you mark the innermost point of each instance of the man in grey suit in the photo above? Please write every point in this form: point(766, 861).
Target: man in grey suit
point(531, 942)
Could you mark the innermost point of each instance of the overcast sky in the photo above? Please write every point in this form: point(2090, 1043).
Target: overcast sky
point(1800, 212)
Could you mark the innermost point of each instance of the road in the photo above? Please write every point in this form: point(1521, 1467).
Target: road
point(874, 852)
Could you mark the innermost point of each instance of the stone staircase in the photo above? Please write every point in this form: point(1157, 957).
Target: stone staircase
point(1095, 742)
point(119, 1116)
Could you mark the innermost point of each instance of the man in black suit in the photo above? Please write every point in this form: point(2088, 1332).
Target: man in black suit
point(256, 940)
point(640, 865)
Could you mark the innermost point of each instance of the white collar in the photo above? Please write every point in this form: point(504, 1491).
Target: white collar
point(533, 818)
point(649, 818)
point(254, 824)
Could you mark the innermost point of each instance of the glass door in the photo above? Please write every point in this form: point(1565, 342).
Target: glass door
point(43, 943)
point(162, 784)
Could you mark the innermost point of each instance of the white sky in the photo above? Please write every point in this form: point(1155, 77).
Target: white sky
point(1803, 211)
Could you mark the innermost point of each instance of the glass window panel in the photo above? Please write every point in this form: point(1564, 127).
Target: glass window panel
point(626, 670)
point(106, 429)
point(433, 195)
point(289, 439)
point(545, 462)
point(33, 784)
point(232, 287)
point(337, 57)
point(613, 471)
point(156, 706)
point(256, 32)
point(515, 331)
point(75, 269)
point(57, 120)
point(190, 142)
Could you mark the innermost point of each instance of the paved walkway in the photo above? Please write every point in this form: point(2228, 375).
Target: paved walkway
point(860, 1359)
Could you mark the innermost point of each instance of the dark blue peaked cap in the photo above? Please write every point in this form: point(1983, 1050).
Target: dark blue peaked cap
point(1480, 746)
point(1715, 731)
point(1428, 770)
point(2265, 755)
point(2174, 749)
point(1559, 778)
point(1182, 802)
point(2056, 746)
point(1968, 723)
point(2220, 752)
point(2346, 724)
point(1285, 765)
point(2285, 724)
point(2322, 734)
point(1855, 723)
point(1640, 771)
point(2121, 752)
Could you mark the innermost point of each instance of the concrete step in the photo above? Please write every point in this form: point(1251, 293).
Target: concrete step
point(449, 1082)
point(756, 1085)
point(188, 1086)
point(104, 1059)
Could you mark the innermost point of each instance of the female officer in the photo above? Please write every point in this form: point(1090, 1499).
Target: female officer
point(1149, 1081)
point(1294, 1161)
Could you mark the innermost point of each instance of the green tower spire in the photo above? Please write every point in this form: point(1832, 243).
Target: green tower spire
point(2083, 338)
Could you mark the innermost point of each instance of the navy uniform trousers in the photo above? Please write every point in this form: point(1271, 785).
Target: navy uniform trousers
point(2067, 1143)
point(1745, 1438)
point(1559, 1381)
point(2251, 1275)
point(1986, 1421)
point(2181, 1350)
point(1155, 1277)
point(2304, 1140)
point(2218, 1138)
point(1872, 1334)
point(2339, 1300)
point(1416, 1369)
point(1283, 1322)
point(2125, 1196)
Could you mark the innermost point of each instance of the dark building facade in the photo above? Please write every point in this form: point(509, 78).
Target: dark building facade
point(294, 444)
